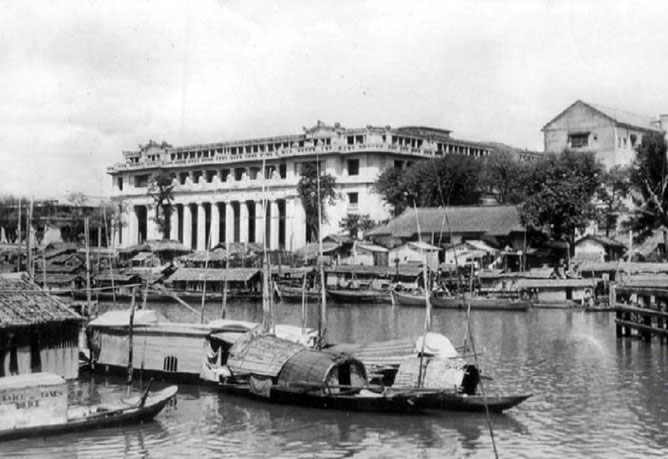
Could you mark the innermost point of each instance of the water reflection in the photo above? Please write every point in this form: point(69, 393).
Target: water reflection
point(595, 396)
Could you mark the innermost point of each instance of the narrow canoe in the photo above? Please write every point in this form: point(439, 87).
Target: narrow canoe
point(129, 411)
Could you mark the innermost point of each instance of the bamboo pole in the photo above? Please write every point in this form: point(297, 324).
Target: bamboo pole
point(130, 337)
point(29, 257)
point(87, 239)
point(18, 241)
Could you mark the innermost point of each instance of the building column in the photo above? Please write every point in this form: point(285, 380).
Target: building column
point(243, 221)
point(133, 227)
point(187, 226)
point(229, 223)
point(174, 224)
point(274, 221)
point(215, 224)
point(201, 227)
point(259, 223)
point(295, 226)
point(152, 231)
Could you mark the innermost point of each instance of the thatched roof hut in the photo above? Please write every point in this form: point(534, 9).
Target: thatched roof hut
point(22, 304)
point(37, 331)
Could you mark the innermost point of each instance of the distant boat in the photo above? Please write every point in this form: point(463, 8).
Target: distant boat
point(293, 294)
point(447, 301)
point(39, 407)
point(359, 295)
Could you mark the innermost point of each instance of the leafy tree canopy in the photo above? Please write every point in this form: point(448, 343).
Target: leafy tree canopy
point(450, 180)
point(160, 189)
point(561, 187)
point(354, 223)
point(649, 182)
point(314, 199)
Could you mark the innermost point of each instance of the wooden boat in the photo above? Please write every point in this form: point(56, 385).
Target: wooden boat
point(38, 406)
point(361, 295)
point(446, 301)
point(478, 403)
point(292, 294)
point(264, 366)
point(430, 362)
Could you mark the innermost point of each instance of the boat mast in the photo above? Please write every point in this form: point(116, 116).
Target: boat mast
point(267, 309)
point(322, 320)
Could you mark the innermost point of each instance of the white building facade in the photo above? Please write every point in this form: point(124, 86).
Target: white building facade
point(246, 191)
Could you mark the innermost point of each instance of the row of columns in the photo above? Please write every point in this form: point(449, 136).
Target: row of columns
point(188, 224)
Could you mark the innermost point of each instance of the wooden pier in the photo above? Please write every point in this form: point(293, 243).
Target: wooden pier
point(641, 310)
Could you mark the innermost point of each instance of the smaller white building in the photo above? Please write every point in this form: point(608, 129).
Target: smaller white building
point(415, 252)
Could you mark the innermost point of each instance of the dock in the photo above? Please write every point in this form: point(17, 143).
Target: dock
point(641, 309)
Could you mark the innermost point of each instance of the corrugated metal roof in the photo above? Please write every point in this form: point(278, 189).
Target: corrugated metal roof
point(22, 303)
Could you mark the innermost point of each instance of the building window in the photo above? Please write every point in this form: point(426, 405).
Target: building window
point(120, 183)
point(238, 173)
point(196, 176)
point(141, 181)
point(224, 173)
point(624, 140)
point(579, 140)
point(634, 139)
point(353, 167)
point(170, 364)
point(210, 175)
point(353, 199)
point(282, 170)
point(183, 176)
point(254, 172)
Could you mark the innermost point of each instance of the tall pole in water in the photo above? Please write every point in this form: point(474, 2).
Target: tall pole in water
point(18, 241)
point(322, 320)
point(87, 239)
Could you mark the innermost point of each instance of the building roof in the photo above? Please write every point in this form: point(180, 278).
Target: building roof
point(490, 220)
point(157, 246)
point(370, 247)
point(215, 275)
point(22, 303)
point(615, 115)
point(603, 240)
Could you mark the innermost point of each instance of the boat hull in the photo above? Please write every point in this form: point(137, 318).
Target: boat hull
point(358, 296)
point(116, 415)
point(392, 401)
point(501, 304)
point(478, 403)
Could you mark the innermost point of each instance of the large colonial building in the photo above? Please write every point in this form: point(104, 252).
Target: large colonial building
point(610, 133)
point(220, 187)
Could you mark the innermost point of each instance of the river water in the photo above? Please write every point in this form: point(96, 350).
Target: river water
point(594, 396)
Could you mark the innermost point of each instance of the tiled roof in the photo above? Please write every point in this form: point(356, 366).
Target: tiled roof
point(490, 220)
point(22, 303)
point(627, 118)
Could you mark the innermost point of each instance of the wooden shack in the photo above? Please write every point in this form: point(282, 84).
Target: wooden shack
point(239, 280)
point(38, 332)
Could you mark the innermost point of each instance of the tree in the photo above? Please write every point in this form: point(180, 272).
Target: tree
point(450, 180)
point(611, 194)
point(389, 185)
point(160, 189)
point(561, 188)
point(505, 177)
point(314, 202)
point(649, 182)
point(354, 223)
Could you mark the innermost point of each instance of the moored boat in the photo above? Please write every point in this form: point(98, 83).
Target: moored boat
point(361, 295)
point(35, 405)
point(446, 301)
point(263, 366)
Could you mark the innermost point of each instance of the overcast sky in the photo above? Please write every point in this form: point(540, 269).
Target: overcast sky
point(81, 81)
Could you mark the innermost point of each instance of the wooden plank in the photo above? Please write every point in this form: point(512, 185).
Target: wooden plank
point(641, 327)
point(629, 290)
point(641, 311)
